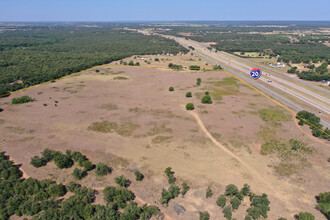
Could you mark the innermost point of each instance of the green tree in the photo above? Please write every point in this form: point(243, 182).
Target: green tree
point(78, 173)
point(188, 94)
point(102, 169)
point(221, 201)
point(323, 200)
point(62, 161)
point(209, 192)
point(231, 190)
point(235, 203)
point(122, 181)
point(227, 212)
point(87, 165)
point(138, 175)
point(185, 188)
point(204, 216)
point(207, 99)
point(305, 216)
point(190, 106)
point(37, 161)
point(171, 89)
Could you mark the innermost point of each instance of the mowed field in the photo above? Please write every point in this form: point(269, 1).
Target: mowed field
point(127, 118)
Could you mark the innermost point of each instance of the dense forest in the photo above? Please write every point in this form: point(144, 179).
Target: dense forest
point(33, 54)
point(42, 198)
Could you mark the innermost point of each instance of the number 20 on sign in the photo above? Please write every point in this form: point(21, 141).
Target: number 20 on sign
point(255, 73)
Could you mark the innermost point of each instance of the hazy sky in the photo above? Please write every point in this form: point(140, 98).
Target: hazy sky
point(166, 10)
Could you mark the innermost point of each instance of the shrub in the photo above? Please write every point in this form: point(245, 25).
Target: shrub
point(22, 99)
point(235, 202)
point(57, 190)
point(199, 80)
point(185, 188)
point(188, 94)
point(78, 173)
point(323, 200)
point(204, 216)
point(259, 206)
point(245, 190)
point(209, 192)
point(207, 99)
point(190, 106)
point(62, 161)
point(87, 165)
point(48, 155)
point(38, 161)
point(171, 89)
point(217, 67)
point(97, 70)
point(122, 181)
point(221, 201)
point(131, 63)
point(306, 216)
point(231, 190)
point(157, 60)
point(194, 67)
point(207, 93)
point(172, 192)
point(227, 212)
point(138, 175)
point(170, 174)
point(102, 169)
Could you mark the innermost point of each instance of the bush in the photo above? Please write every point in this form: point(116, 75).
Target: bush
point(171, 89)
point(227, 212)
point(245, 190)
point(217, 67)
point(38, 161)
point(190, 106)
point(231, 190)
point(22, 99)
point(172, 192)
point(122, 181)
point(87, 165)
point(102, 169)
point(170, 174)
point(48, 155)
point(78, 173)
point(62, 161)
point(306, 216)
point(156, 59)
point(138, 175)
point(207, 93)
point(323, 200)
point(185, 188)
point(209, 192)
point(259, 206)
point(204, 216)
point(188, 94)
point(235, 202)
point(198, 81)
point(194, 67)
point(207, 99)
point(97, 70)
point(221, 201)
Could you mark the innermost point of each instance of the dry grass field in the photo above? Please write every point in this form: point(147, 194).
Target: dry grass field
point(126, 117)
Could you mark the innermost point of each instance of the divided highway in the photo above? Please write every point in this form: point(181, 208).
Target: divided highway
point(268, 83)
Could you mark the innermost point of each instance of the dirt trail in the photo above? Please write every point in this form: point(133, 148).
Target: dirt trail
point(275, 192)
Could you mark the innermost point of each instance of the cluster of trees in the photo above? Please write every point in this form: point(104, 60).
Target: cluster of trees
point(194, 67)
point(233, 198)
point(174, 66)
point(34, 55)
point(67, 160)
point(173, 191)
point(313, 121)
point(22, 99)
point(39, 198)
point(130, 63)
point(316, 74)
